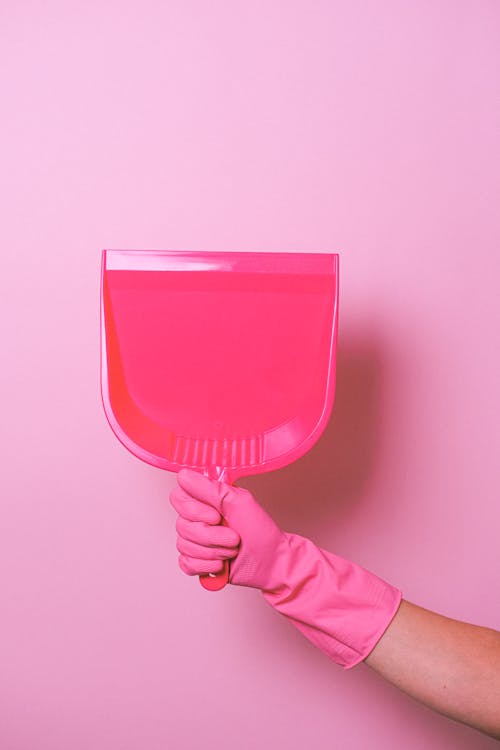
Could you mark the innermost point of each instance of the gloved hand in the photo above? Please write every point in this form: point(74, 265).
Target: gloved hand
point(339, 606)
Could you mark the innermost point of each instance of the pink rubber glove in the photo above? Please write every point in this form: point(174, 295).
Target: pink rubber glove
point(339, 606)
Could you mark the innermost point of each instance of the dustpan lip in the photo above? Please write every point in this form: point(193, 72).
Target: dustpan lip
point(220, 260)
point(231, 474)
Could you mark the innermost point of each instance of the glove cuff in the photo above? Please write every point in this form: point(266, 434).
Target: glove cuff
point(341, 607)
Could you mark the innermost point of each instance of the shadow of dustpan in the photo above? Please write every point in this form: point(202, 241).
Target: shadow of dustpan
point(218, 361)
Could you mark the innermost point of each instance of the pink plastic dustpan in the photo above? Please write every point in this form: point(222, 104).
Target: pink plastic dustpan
point(221, 362)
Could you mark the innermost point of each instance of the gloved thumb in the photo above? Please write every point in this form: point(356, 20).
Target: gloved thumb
point(235, 504)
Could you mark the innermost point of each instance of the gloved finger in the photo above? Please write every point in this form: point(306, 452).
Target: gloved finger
point(190, 549)
point(206, 535)
point(200, 487)
point(194, 567)
point(191, 509)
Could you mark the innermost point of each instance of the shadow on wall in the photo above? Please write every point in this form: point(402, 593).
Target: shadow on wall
point(333, 475)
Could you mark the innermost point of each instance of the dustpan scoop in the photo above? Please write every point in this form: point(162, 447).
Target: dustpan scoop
point(220, 362)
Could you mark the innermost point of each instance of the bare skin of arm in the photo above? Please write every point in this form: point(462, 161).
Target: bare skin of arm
point(451, 666)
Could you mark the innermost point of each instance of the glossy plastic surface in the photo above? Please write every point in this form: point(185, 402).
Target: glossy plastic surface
point(221, 362)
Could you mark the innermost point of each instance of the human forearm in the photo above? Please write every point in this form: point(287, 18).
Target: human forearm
point(451, 666)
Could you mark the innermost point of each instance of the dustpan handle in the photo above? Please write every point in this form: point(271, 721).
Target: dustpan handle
point(216, 581)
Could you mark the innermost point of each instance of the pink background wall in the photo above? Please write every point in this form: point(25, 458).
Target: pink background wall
point(364, 127)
